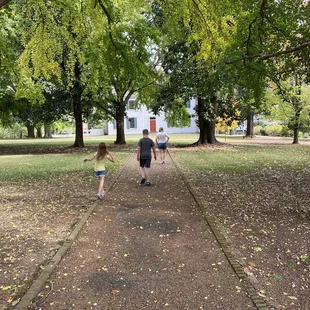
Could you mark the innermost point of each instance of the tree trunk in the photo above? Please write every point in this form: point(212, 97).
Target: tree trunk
point(76, 95)
point(206, 128)
point(120, 125)
point(250, 125)
point(298, 108)
point(39, 132)
point(296, 135)
point(30, 131)
point(47, 131)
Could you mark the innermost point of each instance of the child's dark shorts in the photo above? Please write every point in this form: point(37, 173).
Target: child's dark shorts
point(100, 173)
point(145, 163)
point(162, 146)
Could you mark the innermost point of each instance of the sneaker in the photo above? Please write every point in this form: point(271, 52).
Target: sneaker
point(164, 162)
point(100, 195)
point(142, 181)
point(147, 184)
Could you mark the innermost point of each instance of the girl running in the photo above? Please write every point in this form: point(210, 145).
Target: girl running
point(99, 166)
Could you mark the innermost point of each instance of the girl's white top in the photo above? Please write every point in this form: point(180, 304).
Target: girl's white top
point(161, 136)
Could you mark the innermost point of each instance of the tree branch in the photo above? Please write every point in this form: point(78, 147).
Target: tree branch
point(136, 90)
point(280, 53)
point(110, 22)
point(3, 3)
point(273, 55)
point(196, 5)
point(103, 108)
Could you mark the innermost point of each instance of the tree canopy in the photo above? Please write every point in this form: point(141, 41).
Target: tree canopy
point(104, 51)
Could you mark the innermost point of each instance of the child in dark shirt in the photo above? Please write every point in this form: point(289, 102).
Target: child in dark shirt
point(144, 156)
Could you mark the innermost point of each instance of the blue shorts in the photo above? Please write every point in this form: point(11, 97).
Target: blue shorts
point(162, 146)
point(145, 163)
point(100, 173)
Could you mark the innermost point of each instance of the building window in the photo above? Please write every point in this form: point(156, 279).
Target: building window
point(188, 104)
point(131, 122)
point(131, 104)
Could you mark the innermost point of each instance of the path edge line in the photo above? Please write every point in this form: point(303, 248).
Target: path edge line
point(211, 220)
point(37, 285)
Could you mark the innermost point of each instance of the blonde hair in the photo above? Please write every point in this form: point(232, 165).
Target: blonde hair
point(102, 151)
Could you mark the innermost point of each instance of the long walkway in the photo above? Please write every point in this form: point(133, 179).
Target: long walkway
point(145, 248)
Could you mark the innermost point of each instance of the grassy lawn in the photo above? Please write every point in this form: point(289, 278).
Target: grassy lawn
point(175, 139)
point(29, 168)
point(260, 195)
point(92, 140)
point(42, 197)
point(259, 192)
point(246, 158)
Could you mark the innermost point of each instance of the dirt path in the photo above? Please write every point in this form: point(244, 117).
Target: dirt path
point(145, 248)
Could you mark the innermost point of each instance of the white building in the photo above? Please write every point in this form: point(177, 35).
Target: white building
point(140, 118)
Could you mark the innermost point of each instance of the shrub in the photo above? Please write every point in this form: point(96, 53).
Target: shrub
point(273, 130)
point(286, 132)
point(16, 131)
point(258, 129)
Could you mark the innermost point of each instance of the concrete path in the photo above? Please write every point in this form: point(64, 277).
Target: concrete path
point(145, 248)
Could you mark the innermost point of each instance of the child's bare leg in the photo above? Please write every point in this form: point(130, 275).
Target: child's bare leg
point(147, 174)
point(164, 155)
point(101, 183)
point(142, 172)
point(161, 154)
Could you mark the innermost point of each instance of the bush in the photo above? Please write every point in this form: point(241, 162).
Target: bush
point(16, 131)
point(273, 130)
point(286, 132)
point(258, 130)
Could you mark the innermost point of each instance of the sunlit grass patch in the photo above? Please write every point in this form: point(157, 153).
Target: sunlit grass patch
point(28, 168)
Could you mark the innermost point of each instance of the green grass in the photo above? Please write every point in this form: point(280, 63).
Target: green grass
point(30, 168)
point(245, 158)
point(247, 155)
point(130, 139)
point(175, 139)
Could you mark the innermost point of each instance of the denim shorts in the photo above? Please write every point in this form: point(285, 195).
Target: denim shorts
point(100, 173)
point(162, 146)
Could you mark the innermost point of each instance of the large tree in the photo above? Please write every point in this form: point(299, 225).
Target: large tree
point(193, 60)
point(121, 58)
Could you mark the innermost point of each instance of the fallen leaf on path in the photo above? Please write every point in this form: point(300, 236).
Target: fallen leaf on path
point(115, 292)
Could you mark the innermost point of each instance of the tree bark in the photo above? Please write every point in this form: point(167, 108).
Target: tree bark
point(30, 132)
point(47, 131)
point(76, 95)
point(250, 125)
point(296, 135)
point(4, 2)
point(120, 125)
point(39, 132)
point(206, 128)
point(298, 108)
